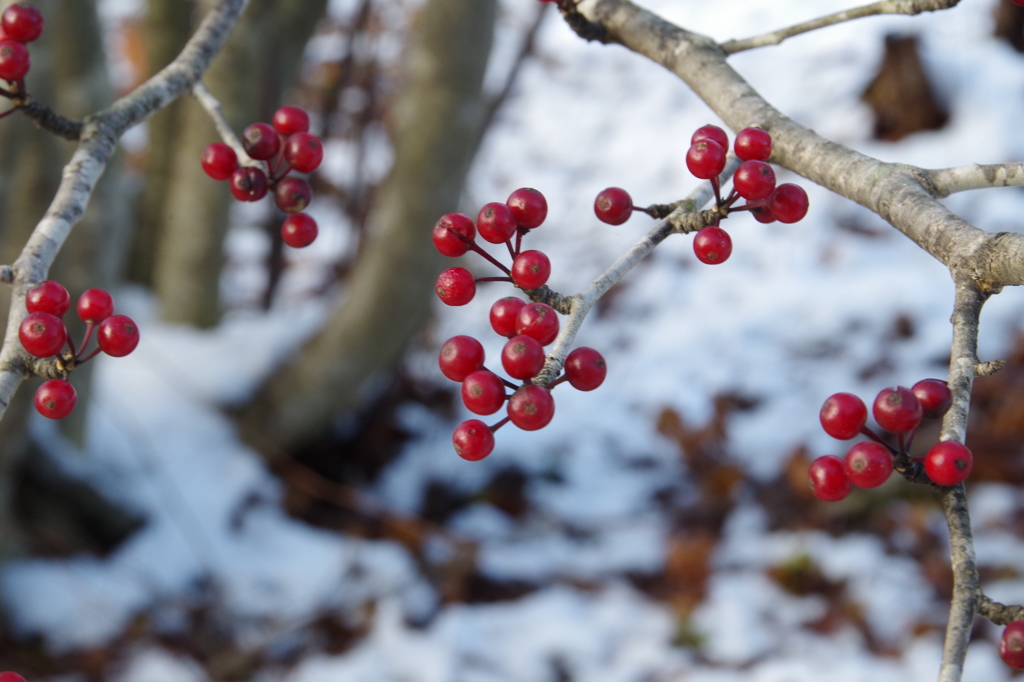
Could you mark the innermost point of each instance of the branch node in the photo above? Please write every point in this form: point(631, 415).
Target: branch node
point(6, 274)
point(583, 27)
point(987, 369)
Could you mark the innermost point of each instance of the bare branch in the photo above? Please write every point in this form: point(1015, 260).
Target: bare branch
point(987, 369)
point(1000, 614)
point(212, 106)
point(976, 176)
point(46, 119)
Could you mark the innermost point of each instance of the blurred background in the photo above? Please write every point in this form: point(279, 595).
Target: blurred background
point(266, 489)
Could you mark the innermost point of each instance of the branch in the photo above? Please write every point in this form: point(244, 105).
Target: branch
point(47, 119)
point(976, 176)
point(1000, 614)
point(212, 106)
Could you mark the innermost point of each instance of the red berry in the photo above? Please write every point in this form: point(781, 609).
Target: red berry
point(261, 141)
point(712, 245)
point(897, 409)
point(95, 305)
point(828, 479)
point(11, 677)
point(763, 214)
point(42, 334)
point(48, 297)
point(948, 462)
point(529, 207)
point(538, 320)
point(754, 180)
point(456, 286)
point(1019, 3)
point(14, 60)
point(522, 357)
point(55, 399)
point(713, 133)
point(585, 369)
point(613, 206)
point(705, 159)
point(117, 336)
point(753, 144)
point(496, 222)
point(22, 22)
point(868, 465)
point(483, 392)
point(1011, 646)
point(531, 270)
point(447, 231)
point(934, 396)
point(503, 315)
point(788, 203)
point(460, 356)
point(248, 183)
point(531, 407)
point(293, 195)
point(298, 230)
point(473, 440)
point(304, 152)
point(289, 120)
point(843, 416)
point(219, 161)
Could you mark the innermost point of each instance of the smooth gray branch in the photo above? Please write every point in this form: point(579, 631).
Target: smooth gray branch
point(212, 106)
point(948, 181)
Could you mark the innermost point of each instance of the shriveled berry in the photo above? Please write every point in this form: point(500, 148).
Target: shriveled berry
point(538, 320)
point(289, 120)
point(95, 305)
point(22, 22)
point(934, 396)
point(522, 357)
point(1011, 644)
point(55, 399)
point(585, 369)
point(529, 207)
point(753, 144)
point(456, 286)
point(447, 231)
point(503, 315)
point(843, 416)
point(304, 152)
point(248, 183)
point(788, 203)
point(299, 230)
point(897, 409)
point(531, 269)
point(531, 407)
point(473, 440)
point(868, 465)
point(42, 334)
point(713, 133)
point(117, 336)
point(14, 60)
point(613, 206)
point(712, 245)
point(293, 195)
point(705, 159)
point(496, 222)
point(948, 462)
point(219, 161)
point(460, 356)
point(483, 392)
point(828, 479)
point(261, 141)
point(754, 180)
point(48, 297)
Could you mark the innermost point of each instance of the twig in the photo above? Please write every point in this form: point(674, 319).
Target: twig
point(212, 106)
point(987, 369)
point(1000, 614)
point(47, 119)
point(976, 176)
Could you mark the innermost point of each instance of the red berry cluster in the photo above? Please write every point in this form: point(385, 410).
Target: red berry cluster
point(285, 146)
point(898, 410)
point(43, 334)
point(19, 24)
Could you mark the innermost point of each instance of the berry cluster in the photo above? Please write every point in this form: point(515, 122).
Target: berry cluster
point(285, 146)
point(898, 410)
point(19, 24)
point(43, 334)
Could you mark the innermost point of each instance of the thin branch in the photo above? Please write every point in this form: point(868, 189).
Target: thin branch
point(976, 176)
point(212, 106)
point(47, 119)
point(1000, 614)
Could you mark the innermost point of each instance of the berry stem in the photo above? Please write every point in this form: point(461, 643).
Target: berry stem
point(508, 384)
point(878, 439)
point(519, 239)
point(511, 251)
point(910, 440)
point(489, 257)
point(899, 441)
point(499, 424)
point(90, 356)
point(564, 377)
point(718, 191)
point(71, 345)
point(493, 279)
point(89, 327)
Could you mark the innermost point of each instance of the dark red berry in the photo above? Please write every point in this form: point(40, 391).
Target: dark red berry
point(219, 161)
point(304, 152)
point(456, 286)
point(613, 206)
point(868, 465)
point(55, 399)
point(585, 369)
point(754, 180)
point(828, 479)
point(503, 315)
point(293, 195)
point(48, 297)
point(788, 203)
point(538, 320)
point(473, 440)
point(934, 396)
point(289, 120)
point(529, 207)
point(298, 230)
point(22, 22)
point(753, 144)
point(261, 141)
point(483, 392)
point(763, 214)
point(522, 357)
point(496, 222)
point(460, 356)
point(531, 407)
point(95, 305)
point(447, 231)
point(1011, 645)
point(117, 336)
point(712, 245)
point(531, 270)
point(897, 409)
point(248, 183)
point(948, 462)
point(14, 60)
point(705, 159)
point(42, 334)
point(843, 416)
point(713, 133)
point(11, 677)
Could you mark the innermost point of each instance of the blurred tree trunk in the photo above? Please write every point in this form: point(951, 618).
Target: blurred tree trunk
point(435, 131)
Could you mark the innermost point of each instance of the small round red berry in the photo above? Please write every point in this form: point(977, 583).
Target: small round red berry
point(503, 315)
point(304, 152)
point(705, 159)
point(529, 207)
point(934, 396)
point(1011, 645)
point(460, 356)
point(1019, 3)
point(11, 677)
point(219, 161)
point(456, 286)
point(453, 234)
point(896, 409)
point(788, 203)
point(843, 415)
point(828, 479)
point(522, 357)
point(473, 440)
point(531, 407)
point(754, 180)
point(868, 465)
point(55, 399)
point(538, 320)
point(613, 206)
point(14, 60)
point(753, 144)
point(261, 141)
point(496, 222)
point(531, 270)
point(289, 120)
point(95, 305)
point(483, 392)
point(585, 369)
point(712, 245)
point(763, 214)
point(48, 297)
point(948, 462)
point(117, 336)
point(713, 133)
point(22, 22)
point(248, 183)
point(299, 230)
point(42, 334)
point(293, 195)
